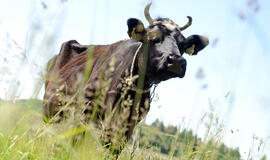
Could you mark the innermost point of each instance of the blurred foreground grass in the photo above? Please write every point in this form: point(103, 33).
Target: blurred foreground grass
point(24, 136)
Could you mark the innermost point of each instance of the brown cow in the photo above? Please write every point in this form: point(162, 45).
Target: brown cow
point(110, 84)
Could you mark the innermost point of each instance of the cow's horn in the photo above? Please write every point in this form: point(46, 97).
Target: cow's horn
point(187, 24)
point(146, 13)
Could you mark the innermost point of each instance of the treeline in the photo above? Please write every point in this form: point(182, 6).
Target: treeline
point(183, 144)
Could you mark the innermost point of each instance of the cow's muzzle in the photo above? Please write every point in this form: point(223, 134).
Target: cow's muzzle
point(178, 67)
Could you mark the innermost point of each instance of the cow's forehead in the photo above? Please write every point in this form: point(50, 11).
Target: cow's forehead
point(168, 23)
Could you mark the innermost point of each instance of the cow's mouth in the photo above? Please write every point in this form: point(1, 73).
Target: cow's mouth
point(177, 70)
point(168, 71)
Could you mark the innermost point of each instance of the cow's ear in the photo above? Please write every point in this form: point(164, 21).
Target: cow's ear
point(136, 29)
point(195, 43)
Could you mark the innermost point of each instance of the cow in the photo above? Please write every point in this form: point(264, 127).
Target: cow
point(110, 84)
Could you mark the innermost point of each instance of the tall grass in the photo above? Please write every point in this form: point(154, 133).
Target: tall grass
point(23, 135)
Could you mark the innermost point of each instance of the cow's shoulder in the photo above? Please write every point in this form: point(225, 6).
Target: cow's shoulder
point(124, 47)
point(129, 43)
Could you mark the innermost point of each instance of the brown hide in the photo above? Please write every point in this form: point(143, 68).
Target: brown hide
point(66, 74)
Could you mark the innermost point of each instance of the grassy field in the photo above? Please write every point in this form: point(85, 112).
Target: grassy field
point(24, 136)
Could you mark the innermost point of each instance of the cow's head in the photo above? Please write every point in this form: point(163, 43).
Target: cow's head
point(166, 45)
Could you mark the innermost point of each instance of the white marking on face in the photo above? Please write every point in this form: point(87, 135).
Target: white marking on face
point(169, 24)
point(171, 27)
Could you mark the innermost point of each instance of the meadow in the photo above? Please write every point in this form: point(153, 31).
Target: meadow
point(24, 135)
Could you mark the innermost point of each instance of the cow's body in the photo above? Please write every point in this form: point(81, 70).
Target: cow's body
point(110, 84)
point(66, 74)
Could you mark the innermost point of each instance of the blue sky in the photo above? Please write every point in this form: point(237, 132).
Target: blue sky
point(237, 64)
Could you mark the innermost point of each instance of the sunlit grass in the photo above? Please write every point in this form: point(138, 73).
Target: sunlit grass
point(24, 135)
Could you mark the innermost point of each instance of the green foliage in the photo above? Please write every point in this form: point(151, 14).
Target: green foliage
point(184, 144)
